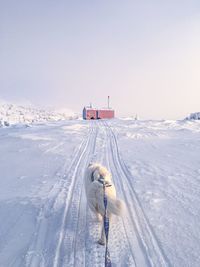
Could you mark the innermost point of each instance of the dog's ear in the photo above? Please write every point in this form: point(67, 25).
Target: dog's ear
point(101, 177)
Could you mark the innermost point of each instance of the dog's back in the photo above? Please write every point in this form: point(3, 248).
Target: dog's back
point(94, 190)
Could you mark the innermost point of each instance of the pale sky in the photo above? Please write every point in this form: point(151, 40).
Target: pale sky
point(144, 54)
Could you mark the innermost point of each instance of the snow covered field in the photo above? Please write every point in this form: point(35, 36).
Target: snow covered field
point(44, 217)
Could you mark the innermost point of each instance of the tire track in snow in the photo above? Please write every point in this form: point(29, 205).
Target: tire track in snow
point(129, 254)
point(73, 231)
point(79, 247)
point(35, 256)
point(94, 252)
point(147, 244)
point(85, 250)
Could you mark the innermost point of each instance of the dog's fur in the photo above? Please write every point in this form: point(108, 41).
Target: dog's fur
point(94, 194)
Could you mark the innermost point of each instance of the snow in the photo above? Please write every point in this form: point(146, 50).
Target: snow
point(27, 114)
point(45, 220)
point(194, 116)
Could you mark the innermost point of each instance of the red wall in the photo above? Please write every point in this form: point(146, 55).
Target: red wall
point(98, 114)
point(106, 114)
point(91, 113)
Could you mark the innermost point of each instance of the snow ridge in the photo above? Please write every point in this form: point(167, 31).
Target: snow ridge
point(18, 114)
point(194, 116)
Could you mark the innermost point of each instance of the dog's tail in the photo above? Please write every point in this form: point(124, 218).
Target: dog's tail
point(116, 206)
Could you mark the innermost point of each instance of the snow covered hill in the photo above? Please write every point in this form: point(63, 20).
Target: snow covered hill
point(194, 116)
point(14, 114)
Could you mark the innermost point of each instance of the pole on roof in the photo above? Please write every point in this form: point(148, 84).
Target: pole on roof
point(108, 102)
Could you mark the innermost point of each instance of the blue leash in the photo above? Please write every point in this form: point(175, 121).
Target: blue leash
point(106, 228)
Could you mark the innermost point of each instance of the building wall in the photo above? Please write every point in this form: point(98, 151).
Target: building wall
point(89, 114)
point(84, 114)
point(105, 114)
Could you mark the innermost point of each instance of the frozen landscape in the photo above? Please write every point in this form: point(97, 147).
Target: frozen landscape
point(45, 220)
point(15, 114)
point(131, 68)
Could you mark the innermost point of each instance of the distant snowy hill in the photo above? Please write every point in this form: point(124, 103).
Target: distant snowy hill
point(13, 114)
point(194, 116)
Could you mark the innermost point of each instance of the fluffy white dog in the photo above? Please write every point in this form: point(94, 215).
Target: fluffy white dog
point(96, 175)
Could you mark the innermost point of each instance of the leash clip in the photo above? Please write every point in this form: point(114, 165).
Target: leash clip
point(102, 181)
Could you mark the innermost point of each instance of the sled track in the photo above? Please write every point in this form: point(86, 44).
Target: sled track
point(112, 165)
point(35, 255)
point(147, 242)
point(95, 252)
point(74, 214)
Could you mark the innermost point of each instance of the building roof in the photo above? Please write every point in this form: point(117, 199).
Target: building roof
point(91, 108)
point(107, 109)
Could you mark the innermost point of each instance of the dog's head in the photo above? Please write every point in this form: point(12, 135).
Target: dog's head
point(100, 173)
point(96, 176)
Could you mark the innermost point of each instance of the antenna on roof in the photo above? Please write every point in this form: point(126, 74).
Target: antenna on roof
point(108, 102)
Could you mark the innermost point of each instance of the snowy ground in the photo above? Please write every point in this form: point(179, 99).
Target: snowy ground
point(45, 220)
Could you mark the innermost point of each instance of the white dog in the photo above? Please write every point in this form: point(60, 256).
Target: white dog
point(95, 176)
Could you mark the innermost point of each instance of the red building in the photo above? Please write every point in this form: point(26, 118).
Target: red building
point(90, 113)
point(105, 113)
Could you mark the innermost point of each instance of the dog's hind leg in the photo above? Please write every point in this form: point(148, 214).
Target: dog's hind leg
point(99, 217)
point(101, 241)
